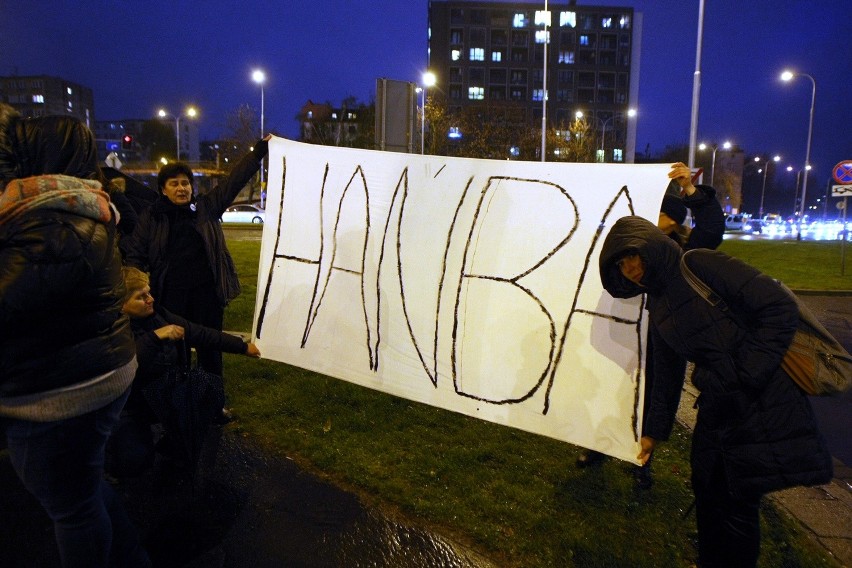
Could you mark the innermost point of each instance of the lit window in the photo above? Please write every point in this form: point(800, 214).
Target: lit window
point(477, 54)
point(584, 39)
point(455, 54)
point(617, 155)
point(334, 115)
point(476, 93)
point(568, 19)
point(38, 98)
point(541, 34)
point(606, 22)
point(538, 94)
point(310, 114)
point(519, 21)
point(566, 57)
point(70, 92)
point(497, 56)
point(70, 104)
point(454, 133)
point(542, 18)
point(624, 23)
point(515, 151)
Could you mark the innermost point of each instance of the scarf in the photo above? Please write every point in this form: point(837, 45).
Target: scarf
point(58, 192)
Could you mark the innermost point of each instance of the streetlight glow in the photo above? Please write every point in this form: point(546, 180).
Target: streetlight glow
point(725, 146)
point(788, 75)
point(191, 112)
point(765, 171)
point(259, 77)
point(429, 80)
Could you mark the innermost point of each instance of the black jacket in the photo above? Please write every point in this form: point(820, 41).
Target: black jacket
point(707, 217)
point(61, 293)
point(155, 356)
point(752, 416)
point(148, 246)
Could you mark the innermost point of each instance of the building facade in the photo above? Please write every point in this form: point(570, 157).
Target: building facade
point(42, 95)
point(509, 57)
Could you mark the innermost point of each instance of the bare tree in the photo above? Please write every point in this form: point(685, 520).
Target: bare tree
point(242, 130)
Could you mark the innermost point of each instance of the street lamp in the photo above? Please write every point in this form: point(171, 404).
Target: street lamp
point(190, 113)
point(765, 171)
point(630, 113)
point(789, 76)
point(429, 80)
point(726, 145)
point(796, 212)
point(259, 77)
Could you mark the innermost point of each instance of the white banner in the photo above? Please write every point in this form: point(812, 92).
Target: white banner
point(471, 285)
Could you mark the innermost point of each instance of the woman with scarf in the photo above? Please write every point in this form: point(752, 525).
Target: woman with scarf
point(67, 357)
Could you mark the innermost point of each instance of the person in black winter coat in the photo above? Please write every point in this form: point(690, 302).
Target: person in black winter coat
point(158, 334)
point(707, 231)
point(67, 357)
point(179, 240)
point(755, 430)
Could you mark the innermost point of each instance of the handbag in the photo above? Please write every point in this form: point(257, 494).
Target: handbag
point(186, 399)
point(815, 360)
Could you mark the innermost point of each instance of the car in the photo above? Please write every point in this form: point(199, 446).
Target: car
point(244, 213)
point(735, 222)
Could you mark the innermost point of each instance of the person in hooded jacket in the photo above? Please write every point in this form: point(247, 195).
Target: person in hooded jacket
point(755, 431)
point(707, 232)
point(179, 241)
point(67, 357)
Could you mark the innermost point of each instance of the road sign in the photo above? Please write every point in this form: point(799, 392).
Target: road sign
point(842, 172)
point(841, 190)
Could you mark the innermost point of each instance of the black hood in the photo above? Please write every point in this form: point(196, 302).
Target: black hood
point(660, 255)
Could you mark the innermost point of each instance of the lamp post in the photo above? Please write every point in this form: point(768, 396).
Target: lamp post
point(726, 146)
point(789, 76)
point(190, 112)
point(630, 114)
point(259, 77)
point(796, 206)
point(765, 171)
point(429, 80)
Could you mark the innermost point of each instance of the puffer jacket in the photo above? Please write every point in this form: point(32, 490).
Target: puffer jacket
point(752, 417)
point(61, 293)
point(147, 248)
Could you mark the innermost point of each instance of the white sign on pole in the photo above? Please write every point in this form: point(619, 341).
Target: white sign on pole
point(841, 190)
point(471, 285)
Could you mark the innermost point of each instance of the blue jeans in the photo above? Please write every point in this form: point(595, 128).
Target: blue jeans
point(61, 464)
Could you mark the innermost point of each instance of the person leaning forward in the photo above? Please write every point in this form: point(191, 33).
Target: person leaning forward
point(755, 431)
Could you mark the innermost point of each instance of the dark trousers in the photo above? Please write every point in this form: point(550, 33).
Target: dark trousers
point(199, 305)
point(61, 463)
point(728, 528)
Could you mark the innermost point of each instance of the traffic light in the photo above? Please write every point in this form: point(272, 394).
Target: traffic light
point(127, 142)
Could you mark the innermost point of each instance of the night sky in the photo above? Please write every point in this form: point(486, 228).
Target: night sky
point(139, 56)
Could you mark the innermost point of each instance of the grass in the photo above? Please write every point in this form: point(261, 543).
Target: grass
point(513, 496)
point(805, 265)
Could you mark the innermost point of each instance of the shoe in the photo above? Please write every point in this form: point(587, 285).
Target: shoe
point(590, 457)
point(225, 417)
